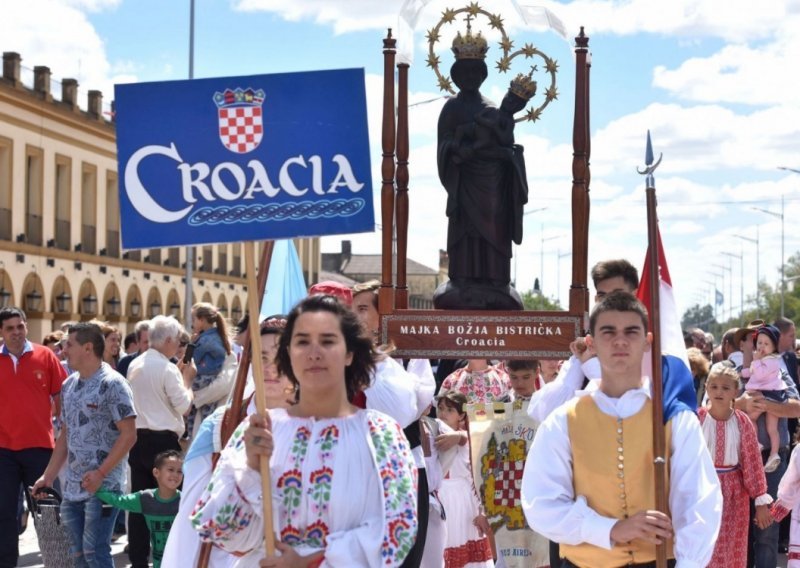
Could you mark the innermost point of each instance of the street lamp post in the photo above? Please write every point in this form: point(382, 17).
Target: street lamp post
point(779, 216)
point(758, 265)
point(516, 247)
point(541, 258)
point(740, 256)
point(783, 279)
point(730, 287)
point(720, 276)
point(712, 287)
point(189, 275)
point(558, 271)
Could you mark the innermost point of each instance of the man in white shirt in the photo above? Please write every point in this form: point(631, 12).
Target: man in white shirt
point(416, 374)
point(608, 276)
point(162, 395)
point(588, 482)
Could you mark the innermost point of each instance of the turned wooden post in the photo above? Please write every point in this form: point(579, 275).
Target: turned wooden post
point(579, 292)
point(386, 292)
point(401, 289)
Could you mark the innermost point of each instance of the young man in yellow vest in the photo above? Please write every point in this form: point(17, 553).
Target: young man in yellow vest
point(588, 481)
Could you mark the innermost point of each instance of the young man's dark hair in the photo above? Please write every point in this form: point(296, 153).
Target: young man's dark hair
point(130, 339)
point(618, 301)
point(782, 323)
point(523, 365)
point(164, 456)
point(89, 333)
point(8, 313)
point(606, 269)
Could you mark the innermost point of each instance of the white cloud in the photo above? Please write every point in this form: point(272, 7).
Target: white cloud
point(732, 20)
point(93, 5)
point(741, 74)
point(684, 228)
point(344, 17)
point(59, 35)
point(736, 20)
point(699, 138)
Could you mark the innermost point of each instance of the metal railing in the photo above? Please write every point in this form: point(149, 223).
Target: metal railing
point(88, 239)
point(33, 229)
point(63, 228)
point(5, 224)
point(112, 244)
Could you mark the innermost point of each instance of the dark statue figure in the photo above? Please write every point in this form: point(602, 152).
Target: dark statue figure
point(483, 172)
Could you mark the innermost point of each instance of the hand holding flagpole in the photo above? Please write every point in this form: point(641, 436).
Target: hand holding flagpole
point(254, 307)
point(659, 441)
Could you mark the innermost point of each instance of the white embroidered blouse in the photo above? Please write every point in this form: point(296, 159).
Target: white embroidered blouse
point(343, 485)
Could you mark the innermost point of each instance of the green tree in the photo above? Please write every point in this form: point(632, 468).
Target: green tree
point(539, 302)
point(699, 316)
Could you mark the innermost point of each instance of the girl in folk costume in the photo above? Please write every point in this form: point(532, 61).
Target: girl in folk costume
point(731, 439)
point(212, 347)
point(765, 374)
point(467, 542)
point(343, 479)
point(789, 502)
point(478, 381)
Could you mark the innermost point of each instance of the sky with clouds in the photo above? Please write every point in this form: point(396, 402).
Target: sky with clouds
point(711, 79)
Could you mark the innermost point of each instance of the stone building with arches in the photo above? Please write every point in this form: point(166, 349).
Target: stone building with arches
point(60, 253)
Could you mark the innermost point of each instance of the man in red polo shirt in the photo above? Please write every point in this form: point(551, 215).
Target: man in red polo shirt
point(30, 381)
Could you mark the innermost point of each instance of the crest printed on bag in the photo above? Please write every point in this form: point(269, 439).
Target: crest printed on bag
point(240, 118)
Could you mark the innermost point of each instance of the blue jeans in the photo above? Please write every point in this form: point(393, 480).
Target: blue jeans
point(765, 542)
point(89, 525)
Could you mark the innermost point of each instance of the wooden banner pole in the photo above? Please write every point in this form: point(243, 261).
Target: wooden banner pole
point(659, 441)
point(232, 416)
point(254, 308)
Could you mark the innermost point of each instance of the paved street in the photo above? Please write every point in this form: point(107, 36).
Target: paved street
point(30, 556)
point(29, 552)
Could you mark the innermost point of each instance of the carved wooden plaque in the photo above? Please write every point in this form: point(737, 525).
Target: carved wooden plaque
point(450, 334)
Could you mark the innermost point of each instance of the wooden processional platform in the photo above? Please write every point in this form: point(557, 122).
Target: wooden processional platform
point(453, 334)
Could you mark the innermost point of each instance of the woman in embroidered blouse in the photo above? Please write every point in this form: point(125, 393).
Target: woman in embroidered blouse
point(731, 439)
point(478, 381)
point(343, 479)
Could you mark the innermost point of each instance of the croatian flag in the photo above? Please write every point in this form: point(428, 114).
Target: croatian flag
point(671, 333)
point(676, 377)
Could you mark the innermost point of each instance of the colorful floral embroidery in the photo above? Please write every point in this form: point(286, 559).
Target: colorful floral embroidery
point(290, 485)
point(399, 491)
point(316, 534)
point(300, 443)
point(328, 438)
point(229, 520)
point(291, 535)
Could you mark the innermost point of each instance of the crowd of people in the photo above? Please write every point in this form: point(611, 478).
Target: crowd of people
point(369, 455)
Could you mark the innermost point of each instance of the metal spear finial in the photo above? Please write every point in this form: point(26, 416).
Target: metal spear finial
point(649, 166)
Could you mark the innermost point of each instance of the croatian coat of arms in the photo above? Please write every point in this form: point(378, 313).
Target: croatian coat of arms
point(240, 118)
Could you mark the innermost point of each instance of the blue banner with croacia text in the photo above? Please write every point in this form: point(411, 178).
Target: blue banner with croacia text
point(243, 158)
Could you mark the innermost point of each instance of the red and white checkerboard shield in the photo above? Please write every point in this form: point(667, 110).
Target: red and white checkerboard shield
point(508, 483)
point(241, 128)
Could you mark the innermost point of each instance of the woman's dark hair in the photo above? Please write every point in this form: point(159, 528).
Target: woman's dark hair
point(358, 374)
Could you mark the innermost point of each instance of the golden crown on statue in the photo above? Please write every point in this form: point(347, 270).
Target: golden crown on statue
point(470, 46)
point(524, 86)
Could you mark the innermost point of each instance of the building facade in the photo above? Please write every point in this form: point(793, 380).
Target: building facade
point(422, 281)
point(60, 253)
